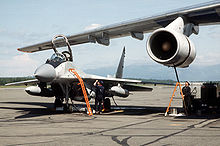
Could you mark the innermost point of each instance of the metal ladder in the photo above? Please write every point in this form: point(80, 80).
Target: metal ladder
point(171, 99)
point(181, 92)
point(83, 90)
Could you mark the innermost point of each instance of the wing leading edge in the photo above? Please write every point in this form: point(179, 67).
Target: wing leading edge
point(23, 82)
point(203, 14)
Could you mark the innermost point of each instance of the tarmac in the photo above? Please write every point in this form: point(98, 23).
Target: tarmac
point(137, 120)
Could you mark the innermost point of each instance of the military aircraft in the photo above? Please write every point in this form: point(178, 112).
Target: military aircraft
point(64, 85)
point(169, 43)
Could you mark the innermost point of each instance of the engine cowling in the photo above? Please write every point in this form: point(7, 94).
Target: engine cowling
point(171, 48)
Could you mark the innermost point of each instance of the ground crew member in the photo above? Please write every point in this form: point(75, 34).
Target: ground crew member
point(99, 89)
point(187, 97)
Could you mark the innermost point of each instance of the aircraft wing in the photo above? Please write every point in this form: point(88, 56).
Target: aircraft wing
point(202, 14)
point(93, 78)
point(157, 83)
point(118, 80)
point(130, 87)
point(23, 82)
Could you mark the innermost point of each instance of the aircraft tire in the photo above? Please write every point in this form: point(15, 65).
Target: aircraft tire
point(58, 103)
point(70, 108)
point(107, 104)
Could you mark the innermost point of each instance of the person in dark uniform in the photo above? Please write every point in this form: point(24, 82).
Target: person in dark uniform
point(100, 90)
point(187, 97)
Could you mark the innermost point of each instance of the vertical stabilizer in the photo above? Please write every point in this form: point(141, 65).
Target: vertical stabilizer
point(119, 72)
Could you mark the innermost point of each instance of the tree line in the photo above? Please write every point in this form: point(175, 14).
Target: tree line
point(5, 80)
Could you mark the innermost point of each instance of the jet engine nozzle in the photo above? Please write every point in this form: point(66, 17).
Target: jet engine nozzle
point(45, 73)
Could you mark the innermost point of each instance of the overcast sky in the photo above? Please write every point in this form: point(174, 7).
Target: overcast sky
point(26, 22)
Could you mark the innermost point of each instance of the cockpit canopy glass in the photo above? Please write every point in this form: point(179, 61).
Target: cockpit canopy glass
point(56, 59)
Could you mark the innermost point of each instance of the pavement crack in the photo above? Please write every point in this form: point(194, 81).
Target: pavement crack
point(120, 127)
point(204, 123)
point(45, 135)
point(172, 134)
point(166, 136)
point(38, 143)
point(124, 142)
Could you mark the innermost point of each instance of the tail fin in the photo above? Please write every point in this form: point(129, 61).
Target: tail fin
point(119, 72)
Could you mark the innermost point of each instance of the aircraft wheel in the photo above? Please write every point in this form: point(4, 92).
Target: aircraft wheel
point(70, 109)
point(65, 108)
point(107, 104)
point(58, 103)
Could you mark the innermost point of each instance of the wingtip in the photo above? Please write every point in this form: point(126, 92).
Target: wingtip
point(19, 49)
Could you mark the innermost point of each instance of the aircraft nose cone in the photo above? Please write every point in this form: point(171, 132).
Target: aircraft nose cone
point(45, 73)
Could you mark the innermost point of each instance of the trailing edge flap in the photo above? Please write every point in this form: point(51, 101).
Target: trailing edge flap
point(130, 87)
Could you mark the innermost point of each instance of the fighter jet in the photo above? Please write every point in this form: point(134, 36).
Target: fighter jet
point(55, 78)
point(169, 44)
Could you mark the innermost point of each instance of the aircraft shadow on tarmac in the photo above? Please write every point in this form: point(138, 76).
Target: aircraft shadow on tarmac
point(28, 112)
point(48, 109)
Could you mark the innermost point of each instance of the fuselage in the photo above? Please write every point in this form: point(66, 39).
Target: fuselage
point(56, 80)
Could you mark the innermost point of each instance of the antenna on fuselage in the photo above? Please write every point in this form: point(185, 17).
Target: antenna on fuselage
point(57, 41)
